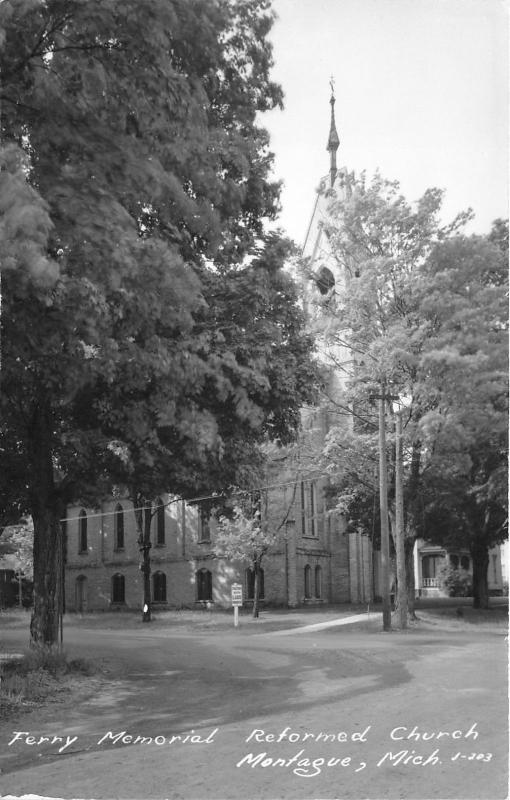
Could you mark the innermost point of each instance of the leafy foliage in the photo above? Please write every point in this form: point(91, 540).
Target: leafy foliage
point(424, 315)
point(242, 538)
point(351, 459)
point(457, 582)
point(380, 242)
point(25, 223)
point(18, 541)
point(464, 434)
point(165, 342)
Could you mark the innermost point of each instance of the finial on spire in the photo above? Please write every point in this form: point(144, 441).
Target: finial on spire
point(333, 140)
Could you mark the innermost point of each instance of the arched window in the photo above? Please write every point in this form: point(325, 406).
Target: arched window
point(454, 561)
point(318, 582)
point(118, 589)
point(160, 522)
point(464, 562)
point(204, 584)
point(159, 587)
point(82, 532)
point(118, 524)
point(308, 582)
point(250, 584)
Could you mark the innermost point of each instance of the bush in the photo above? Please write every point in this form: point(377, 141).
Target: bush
point(49, 659)
point(457, 582)
point(38, 674)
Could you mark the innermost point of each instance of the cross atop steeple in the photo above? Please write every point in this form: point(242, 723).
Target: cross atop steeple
point(333, 140)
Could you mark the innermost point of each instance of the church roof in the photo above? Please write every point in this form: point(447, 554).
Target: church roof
point(333, 139)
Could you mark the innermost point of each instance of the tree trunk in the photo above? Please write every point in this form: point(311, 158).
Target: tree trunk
point(147, 544)
point(46, 513)
point(143, 516)
point(480, 556)
point(256, 588)
point(45, 615)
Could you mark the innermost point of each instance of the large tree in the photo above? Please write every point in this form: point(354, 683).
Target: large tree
point(142, 180)
point(421, 316)
point(462, 292)
point(380, 241)
point(247, 368)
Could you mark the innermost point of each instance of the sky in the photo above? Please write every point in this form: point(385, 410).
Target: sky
point(421, 92)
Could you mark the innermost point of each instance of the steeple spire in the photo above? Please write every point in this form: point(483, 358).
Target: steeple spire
point(333, 141)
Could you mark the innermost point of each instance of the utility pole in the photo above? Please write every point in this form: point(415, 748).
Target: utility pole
point(383, 500)
point(399, 521)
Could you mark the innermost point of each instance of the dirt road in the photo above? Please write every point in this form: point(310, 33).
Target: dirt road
point(332, 713)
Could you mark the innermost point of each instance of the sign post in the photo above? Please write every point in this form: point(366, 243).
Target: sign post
point(237, 600)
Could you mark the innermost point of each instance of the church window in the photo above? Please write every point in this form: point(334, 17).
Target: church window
point(204, 527)
point(82, 532)
point(308, 503)
point(318, 582)
point(204, 584)
point(118, 524)
point(118, 589)
point(160, 522)
point(308, 582)
point(159, 587)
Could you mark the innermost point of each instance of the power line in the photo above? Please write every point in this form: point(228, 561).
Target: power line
point(192, 500)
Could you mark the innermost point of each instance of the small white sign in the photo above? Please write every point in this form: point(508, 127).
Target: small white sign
point(237, 594)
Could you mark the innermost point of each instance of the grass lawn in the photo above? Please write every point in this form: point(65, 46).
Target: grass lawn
point(443, 612)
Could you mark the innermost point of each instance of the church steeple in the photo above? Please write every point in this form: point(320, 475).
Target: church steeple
point(333, 140)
